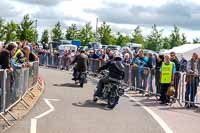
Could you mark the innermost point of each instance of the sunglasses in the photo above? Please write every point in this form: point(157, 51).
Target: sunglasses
point(172, 55)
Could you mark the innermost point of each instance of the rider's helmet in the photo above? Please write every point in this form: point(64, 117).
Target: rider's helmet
point(118, 56)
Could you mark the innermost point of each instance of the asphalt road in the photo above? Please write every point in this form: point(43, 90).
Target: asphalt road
point(76, 113)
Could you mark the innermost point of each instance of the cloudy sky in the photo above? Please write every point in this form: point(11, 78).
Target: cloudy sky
point(122, 15)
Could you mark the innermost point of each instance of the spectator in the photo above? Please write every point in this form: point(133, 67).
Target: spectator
point(150, 61)
point(159, 62)
point(6, 55)
point(149, 72)
point(94, 55)
point(192, 80)
point(102, 55)
point(25, 58)
point(127, 50)
point(168, 70)
point(18, 56)
point(134, 70)
point(35, 48)
point(183, 64)
point(108, 51)
point(33, 57)
point(140, 62)
point(90, 54)
point(66, 59)
point(24, 44)
point(110, 56)
point(175, 60)
point(127, 59)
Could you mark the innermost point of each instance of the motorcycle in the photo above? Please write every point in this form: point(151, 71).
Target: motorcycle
point(111, 92)
point(82, 78)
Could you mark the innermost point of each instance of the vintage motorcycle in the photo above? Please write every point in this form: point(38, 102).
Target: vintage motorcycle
point(111, 91)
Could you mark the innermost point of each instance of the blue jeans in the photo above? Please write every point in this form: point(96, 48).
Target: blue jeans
point(150, 78)
point(191, 90)
point(141, 80)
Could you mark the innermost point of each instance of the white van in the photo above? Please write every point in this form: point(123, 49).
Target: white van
point(134, 46)
point(63, 48)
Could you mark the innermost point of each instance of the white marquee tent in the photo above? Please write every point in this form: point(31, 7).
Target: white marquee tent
point(185, 50)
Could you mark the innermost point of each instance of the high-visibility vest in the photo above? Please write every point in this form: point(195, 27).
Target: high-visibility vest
point(166, 73)
point(16, 53)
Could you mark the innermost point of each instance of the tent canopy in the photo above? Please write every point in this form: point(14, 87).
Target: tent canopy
point(185, 50)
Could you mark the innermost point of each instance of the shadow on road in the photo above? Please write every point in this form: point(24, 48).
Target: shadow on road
point(68, 85)
point(155, 103)
point(183, 110)
point(90, 104)
point(149, 102)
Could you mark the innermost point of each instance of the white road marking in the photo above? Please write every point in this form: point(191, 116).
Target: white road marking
point(164, 126)
point(33, 128)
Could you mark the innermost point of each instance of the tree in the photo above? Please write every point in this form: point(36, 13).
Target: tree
point(35, 36)
point(11, 29)
point(57, 32)
point(27, 30)
point(86, 35)
point(2, 29)
point(183, 39)
point(113, 39)
point(105, 35)
point(196, 40)
point(122, 40)
point(45, 37)
point(154, 40)
point(137, 36)
point(71, 32)
point(165, 43)
point(175, 37)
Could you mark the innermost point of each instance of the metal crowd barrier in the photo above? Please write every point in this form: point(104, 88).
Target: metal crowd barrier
point(14, 85)
point(2, 90)
point(146, 80)
point(188, 93)
point(95, 64)
point(143, 79)
point(55, 61)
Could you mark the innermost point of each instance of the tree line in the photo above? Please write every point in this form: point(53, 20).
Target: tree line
point(12, 31)
point(26, 30)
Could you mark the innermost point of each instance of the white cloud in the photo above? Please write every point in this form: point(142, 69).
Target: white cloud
point(122, 15)
point(41, 2)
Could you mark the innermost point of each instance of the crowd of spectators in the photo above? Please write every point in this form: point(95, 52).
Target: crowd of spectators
point(145, 66)
point(16, 55)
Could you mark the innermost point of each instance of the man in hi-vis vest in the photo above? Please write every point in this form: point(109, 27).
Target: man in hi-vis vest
point(167, 69)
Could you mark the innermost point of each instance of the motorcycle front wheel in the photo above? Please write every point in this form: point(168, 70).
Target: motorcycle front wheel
point(112, 101)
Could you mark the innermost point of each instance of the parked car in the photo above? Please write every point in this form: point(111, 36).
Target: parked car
point(94, 45)
point(114, 47)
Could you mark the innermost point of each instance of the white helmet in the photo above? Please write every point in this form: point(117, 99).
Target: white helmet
point(118, 55)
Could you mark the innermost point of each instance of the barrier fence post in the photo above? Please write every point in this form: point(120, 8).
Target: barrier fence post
point(4, 89)
point(4, 97)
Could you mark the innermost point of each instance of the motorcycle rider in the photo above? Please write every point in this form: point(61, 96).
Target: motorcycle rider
point(81, 61)
point(116, 71)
